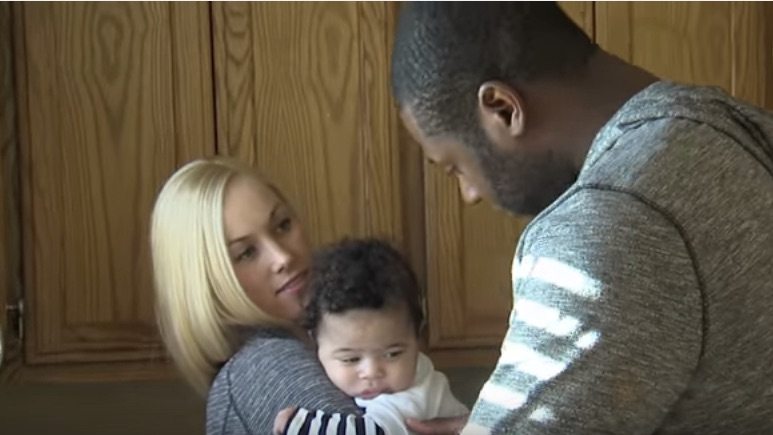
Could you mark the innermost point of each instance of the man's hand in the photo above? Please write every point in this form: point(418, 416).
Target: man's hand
point(282, 419)
point(438, 426)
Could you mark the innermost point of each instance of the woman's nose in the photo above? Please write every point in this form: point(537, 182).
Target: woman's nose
point(280, 257)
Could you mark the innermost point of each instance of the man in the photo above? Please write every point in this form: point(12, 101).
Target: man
point(645, 281)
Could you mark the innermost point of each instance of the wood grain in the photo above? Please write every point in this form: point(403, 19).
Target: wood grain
point(290, 78)
point(115, 96)
point(303, 93)
point(378, 125)
point(752, 52)
point(683, 41)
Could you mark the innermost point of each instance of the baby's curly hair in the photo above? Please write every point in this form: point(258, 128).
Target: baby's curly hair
point(361, 274)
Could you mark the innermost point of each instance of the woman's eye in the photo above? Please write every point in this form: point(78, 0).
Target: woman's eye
point(285, 225)
point(247, 254)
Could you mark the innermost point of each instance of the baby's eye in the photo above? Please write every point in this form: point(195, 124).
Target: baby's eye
point(351, 360)
point(393, 354)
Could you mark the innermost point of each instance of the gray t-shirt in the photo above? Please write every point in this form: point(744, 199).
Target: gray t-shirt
point(644, 294)
point(272, 370)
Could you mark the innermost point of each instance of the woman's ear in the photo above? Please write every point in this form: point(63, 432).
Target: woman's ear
point(501, 112)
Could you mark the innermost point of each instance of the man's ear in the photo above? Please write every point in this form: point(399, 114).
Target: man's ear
point(501, 111)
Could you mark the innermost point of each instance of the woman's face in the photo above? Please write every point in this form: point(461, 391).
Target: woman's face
point(267, 247)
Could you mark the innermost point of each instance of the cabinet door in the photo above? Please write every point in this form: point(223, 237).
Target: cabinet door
point(725, 44)
point(303, 94)
point(469, 256)
point(112, 97)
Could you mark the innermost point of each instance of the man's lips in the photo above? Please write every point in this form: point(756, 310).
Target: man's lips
point(294, 285)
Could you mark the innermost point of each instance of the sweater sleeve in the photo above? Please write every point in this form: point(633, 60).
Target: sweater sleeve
point(306, 422)
point(607, 323)
point(264, 377)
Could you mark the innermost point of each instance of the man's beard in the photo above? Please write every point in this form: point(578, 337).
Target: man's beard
point(525, 183)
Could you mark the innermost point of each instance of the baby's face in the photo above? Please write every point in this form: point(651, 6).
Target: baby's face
point(368, 352)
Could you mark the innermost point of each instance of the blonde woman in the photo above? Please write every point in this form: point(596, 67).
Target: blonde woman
point(231, 260)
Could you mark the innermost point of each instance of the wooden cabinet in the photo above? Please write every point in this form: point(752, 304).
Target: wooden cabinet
point(303, 94)
point(101, 101)
point(726, 44)
point(110, 98)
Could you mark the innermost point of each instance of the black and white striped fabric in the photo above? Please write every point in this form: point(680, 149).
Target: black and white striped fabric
point(305, 422)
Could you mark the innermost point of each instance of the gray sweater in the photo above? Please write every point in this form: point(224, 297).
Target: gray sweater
point(272, 370)
point(644, 295)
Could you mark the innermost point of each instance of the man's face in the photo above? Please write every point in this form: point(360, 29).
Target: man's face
point(521, 181)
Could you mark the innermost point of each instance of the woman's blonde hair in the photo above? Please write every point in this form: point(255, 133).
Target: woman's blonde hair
point(199, 302)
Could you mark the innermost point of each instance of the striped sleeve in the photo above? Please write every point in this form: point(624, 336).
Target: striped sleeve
point(606, 330)
point(306, 422)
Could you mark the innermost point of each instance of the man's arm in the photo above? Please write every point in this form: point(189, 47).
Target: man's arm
point(607, 325)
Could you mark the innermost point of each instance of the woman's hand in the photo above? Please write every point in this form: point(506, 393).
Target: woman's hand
point(438, 426)
point(282, 419)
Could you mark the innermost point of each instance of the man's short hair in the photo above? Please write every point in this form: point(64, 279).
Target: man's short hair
point(444, 51)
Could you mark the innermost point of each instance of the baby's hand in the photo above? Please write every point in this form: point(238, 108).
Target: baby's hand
point(282, 419)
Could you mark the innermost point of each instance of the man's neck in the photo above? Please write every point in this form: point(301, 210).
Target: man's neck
point(586, 102)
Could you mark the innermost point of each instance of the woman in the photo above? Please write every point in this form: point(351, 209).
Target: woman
point(230, 261)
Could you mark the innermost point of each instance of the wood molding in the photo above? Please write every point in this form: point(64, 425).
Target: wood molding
point(16, 372)
point(10, 249)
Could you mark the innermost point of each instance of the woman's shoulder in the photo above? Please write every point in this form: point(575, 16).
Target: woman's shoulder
point(259, 363)
point(266, 347)
point(248, 389)
point(271, 370)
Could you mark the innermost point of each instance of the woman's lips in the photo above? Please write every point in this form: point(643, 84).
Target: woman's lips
point(294, 286)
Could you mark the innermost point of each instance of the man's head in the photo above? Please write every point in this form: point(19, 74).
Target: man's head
point(467, 78)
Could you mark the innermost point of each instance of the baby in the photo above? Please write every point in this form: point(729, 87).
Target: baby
point(365, 316)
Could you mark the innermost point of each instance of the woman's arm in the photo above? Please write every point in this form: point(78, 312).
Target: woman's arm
point(271, 372)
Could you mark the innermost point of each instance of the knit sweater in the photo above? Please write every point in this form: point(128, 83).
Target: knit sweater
point(644, 294)
point(273, 370)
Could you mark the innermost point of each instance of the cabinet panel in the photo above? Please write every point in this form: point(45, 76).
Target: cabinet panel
point(112, 98)
point(469, 254)
point(724, 44)
point(303, 93)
